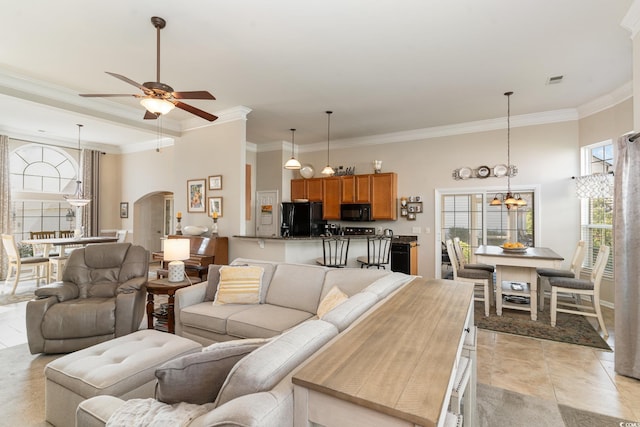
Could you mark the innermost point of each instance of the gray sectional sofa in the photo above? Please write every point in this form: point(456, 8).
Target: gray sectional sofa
point(284, 331)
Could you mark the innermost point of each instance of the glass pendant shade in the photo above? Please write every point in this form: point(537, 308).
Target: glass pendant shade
point(157, 105)
point(292, 163)
point(328, 171)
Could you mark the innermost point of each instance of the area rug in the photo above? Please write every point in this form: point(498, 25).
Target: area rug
point(498, 407)
point(571, 329)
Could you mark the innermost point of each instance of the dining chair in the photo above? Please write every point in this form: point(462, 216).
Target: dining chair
point(482, 279)
point(378, 252)
point(578, 287)
point(65, 234)
point(335, 251)
point(574, 271)
point(39, 250)
point(462, 262)
point(36, 265)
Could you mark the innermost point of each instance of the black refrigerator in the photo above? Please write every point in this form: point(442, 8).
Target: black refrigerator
point(302, 219)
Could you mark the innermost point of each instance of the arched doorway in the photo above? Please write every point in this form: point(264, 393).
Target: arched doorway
point(152, 219)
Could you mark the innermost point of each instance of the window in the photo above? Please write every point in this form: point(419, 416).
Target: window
point(469, 217)
point(38, 175)
point(597, 211)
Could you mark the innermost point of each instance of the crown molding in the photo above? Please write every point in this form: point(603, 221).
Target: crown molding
point(239, 112)
point(609, 100)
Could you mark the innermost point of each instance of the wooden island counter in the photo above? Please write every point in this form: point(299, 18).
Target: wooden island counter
point(395, 367)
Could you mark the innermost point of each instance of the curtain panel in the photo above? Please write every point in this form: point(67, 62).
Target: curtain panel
point(627, 257)
point(91, 185)
point(5, 200)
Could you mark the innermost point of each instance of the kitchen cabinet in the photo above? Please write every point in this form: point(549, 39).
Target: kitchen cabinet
point(384, 188)
point(356, 189)
point(310, 189)
point(331, 197)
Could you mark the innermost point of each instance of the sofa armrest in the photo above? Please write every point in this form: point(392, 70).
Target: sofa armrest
point(63, 291)
point(132, 285)
point(35, 311)
point(95, 412)
point(191, 295)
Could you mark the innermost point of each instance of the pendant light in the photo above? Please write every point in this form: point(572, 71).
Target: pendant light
point(328, 170)
point(292, 163)
point(78, 199)
point(510, 200)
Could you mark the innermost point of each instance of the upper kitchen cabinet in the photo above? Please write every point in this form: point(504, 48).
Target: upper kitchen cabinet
point(384, 189)
point(331, 197)
point(310, 189)
point(356, 189)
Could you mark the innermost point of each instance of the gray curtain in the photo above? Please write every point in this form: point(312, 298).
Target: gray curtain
point(91, 185)
point(627, 257)
point(5, 200)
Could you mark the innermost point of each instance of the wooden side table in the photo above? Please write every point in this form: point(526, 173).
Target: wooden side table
point(164, 287)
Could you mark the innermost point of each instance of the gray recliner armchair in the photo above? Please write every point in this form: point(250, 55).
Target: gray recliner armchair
point(101, 297)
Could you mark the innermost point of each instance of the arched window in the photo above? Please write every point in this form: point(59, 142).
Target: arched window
point(39, 176)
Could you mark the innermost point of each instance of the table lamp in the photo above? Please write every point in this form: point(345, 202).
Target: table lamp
point(176, 250)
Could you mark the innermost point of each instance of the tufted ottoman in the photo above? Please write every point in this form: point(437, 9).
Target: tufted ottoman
point(123, 367)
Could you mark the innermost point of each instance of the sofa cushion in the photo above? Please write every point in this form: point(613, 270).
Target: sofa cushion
point(79, 318)
point(386, 285)
point(264, 321)
point(210, 317)
point(213, 278)
point(197, 377)
point(334, 298)
point(269, 269)
point(351, 280)
point(350, 310)
point(266, 366)
point(297, 286)
point(239, 285)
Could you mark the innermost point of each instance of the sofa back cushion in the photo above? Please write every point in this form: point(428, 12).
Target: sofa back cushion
point(386, 285)
point(197, 377)
point(266, 366)
point(269, 269)
point(297, 286)
point(351, 280)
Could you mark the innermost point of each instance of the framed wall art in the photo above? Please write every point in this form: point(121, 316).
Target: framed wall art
point(124, 209)
point(196, 195)
point(215, 205)
point(215, 182)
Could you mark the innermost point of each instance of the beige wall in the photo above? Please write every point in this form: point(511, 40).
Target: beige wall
point(608, 124)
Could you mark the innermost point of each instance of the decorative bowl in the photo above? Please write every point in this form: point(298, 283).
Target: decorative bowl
point(194, 230)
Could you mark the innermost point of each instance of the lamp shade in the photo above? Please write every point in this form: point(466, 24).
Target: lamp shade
point(176, 249)
point(157, 105)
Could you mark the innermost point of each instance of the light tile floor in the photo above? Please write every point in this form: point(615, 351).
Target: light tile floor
point(580, 377)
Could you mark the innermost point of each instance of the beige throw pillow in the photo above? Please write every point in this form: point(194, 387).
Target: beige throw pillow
point(334, 298)
point(239, 285)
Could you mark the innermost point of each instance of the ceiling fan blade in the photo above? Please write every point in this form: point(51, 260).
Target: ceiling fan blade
point(195, 94)
point(193, 110)
point(102, 95)
point(148, 115)
point(131, 82)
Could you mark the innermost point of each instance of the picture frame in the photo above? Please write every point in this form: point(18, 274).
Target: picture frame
point(215, 182)
point(215, 205)
point(196, 196)
point(124, 209)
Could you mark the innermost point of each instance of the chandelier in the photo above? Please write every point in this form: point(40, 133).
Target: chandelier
point(510, 199)
point(78, 199)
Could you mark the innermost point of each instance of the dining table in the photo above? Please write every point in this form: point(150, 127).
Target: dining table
point(63, 242)
point(516, 275)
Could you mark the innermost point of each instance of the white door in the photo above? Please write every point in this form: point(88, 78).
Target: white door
point(267, 213)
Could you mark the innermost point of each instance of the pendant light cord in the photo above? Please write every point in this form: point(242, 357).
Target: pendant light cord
point(508, 95)
point(328, 133)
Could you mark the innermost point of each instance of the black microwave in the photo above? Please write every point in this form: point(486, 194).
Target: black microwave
point(356, 212)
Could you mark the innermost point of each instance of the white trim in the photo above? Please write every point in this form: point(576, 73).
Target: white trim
point(631, 20)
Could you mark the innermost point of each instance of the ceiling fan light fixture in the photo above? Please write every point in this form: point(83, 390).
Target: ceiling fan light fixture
point(157, 105)
point(292, 163)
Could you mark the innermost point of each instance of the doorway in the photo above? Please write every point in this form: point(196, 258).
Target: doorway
point(150, 220)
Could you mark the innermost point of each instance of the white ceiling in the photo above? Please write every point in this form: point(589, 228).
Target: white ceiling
point(382, 67)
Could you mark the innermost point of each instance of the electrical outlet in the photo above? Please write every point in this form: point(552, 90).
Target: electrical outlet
point(416, 230)
point(427, 230)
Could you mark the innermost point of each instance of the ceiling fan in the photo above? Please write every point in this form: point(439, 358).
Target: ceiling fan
point(159, 98)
